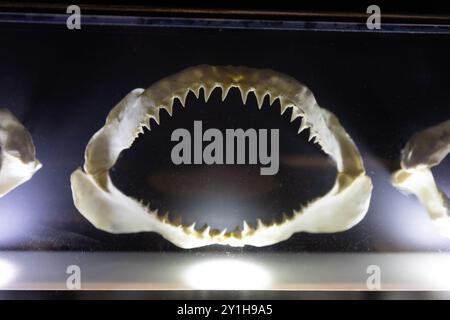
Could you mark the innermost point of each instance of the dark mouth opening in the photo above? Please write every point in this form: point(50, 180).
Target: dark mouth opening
point(223, 196)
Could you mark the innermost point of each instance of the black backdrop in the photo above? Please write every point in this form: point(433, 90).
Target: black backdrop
point(61, 84)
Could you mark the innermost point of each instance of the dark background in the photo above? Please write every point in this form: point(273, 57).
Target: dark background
point(61, 84)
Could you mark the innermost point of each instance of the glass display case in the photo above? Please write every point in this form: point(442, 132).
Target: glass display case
point(101, 187)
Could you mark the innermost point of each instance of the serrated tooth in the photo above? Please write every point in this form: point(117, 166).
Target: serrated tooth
point(319, 142)
point(225, 91)
point(259, 224)
point(205, 232)
point(222, 233)
point(312, 135)
point(139, 131)
point(191, 228)
point(165, 217)
point(244, 95)
point(156, 117)
point(208, 91)
point(183, 98)
point(196, 92)
point(272, 98)
point(246, 227)
point(169, 108)
point(146, 122)
point(316, 139)
point(284, 108)
point(295, 113)
point(303, 126)
point(259, 99)
point(154, 114)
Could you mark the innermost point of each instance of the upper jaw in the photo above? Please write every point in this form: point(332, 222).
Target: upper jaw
point(428, 147)
point(134, 112)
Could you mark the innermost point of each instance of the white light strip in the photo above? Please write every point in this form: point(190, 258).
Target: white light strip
point(227, 274)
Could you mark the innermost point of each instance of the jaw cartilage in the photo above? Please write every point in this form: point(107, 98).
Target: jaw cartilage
point(423, 151)
point(108, 209)
point(18, 161)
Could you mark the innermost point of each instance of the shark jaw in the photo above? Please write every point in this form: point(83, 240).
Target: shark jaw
point(423, 151)
point(18, 161)
point(108, 209)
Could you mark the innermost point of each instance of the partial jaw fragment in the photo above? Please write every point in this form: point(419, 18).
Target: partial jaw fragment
point(423, 151)
point(108, 209)
point(18, 160)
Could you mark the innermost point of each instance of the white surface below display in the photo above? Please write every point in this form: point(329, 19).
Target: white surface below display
point(200, 271)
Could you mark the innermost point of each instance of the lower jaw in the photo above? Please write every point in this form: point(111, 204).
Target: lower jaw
point(115, 212)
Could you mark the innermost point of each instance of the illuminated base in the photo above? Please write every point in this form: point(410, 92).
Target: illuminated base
point(183, 271)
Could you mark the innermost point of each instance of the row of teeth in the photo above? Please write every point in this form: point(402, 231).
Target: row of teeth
point(154, 113)
point(247, 229)
point(207, 231)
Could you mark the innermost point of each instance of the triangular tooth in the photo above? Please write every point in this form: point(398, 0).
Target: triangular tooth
point(246, 227)
point(169, 108)
point(295, 113)
point(191, 228)
point(208, 91)
point(284, 108)
point(206, 231)
point(259, 99)
point(259, 224)
point(183, 98)
point(244, 95)
point(247, 94)
point(285, 218)
point(223, 233)
point(303, 126)
point(272, 98)
point(225, 91)
point(139, 131)
point(154, 113)
point(196, 92)
point(316, 139)
point(165, 217)
point(312, 135)
point(146, 123)
point(156, 117)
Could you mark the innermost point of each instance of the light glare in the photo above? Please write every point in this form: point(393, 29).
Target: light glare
point(224, 274)
point(7, 273)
